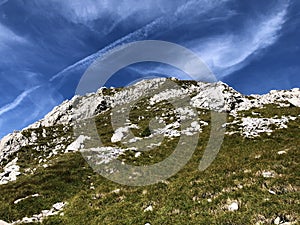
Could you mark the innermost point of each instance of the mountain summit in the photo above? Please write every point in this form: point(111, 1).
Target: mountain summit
point(49, 170)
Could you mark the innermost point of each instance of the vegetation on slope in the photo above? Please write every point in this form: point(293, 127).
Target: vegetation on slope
point(189, 197)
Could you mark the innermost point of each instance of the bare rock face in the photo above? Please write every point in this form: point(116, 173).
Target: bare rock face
point(11, 171)
point(12, 143)
point(3, 223)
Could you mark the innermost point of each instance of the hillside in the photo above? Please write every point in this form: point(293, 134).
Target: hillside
point(48, 170)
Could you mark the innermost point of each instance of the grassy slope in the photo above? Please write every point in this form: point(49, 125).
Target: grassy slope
point(182, 199)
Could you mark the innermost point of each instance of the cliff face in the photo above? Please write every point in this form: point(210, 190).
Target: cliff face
point(149, 115)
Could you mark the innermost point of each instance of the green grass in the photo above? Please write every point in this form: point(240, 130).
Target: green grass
point(59, 182)
point(184, 196)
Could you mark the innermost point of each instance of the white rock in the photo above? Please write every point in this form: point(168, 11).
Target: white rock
point(56, 208)
point(59, 206)
point(77, 144)
point(4, 223)
point(122, 132)
point(233, 206)
point(268, 174)
point(148, 209)
point(137, 154)
point(119, 134)
point(117, 191)
point(11, 171)
point(103, 155)
point(272, 192)
point(281, 152)
point(252, 127)
point(295, 101)
point(21, 199)
point(277, 220)
point(168, 94)
point(12, 143)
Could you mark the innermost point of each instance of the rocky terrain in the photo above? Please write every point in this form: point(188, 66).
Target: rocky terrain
point(253, 180)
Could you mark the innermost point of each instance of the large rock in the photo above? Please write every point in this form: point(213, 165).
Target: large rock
point(3, 223)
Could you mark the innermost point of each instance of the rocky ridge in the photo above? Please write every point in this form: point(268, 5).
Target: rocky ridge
point(211, 96)
point(53, 135)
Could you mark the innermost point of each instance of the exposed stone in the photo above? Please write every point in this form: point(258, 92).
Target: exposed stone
point(233, 206)
point(4, 223)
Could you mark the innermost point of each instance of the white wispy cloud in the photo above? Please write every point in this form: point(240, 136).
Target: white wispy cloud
point(18, 100)
point(230, 52)
point(28, 107)
point(8, 35)
point(78, 11)
point(159, 24)
point(9, 38)
point(3, 2)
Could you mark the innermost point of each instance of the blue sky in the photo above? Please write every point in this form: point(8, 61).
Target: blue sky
point(45, 46)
